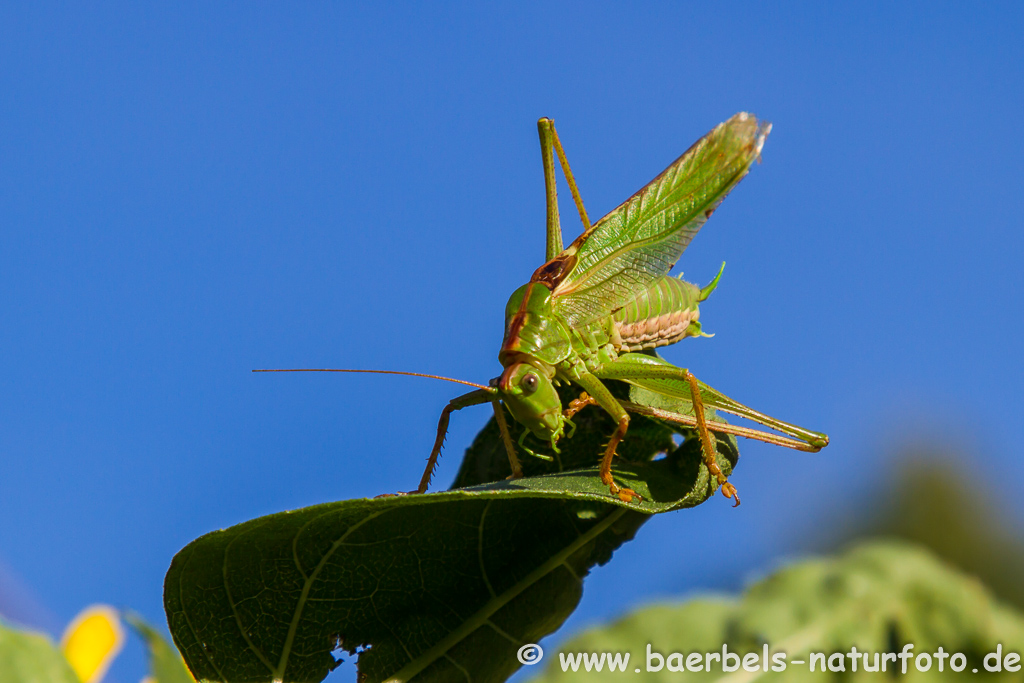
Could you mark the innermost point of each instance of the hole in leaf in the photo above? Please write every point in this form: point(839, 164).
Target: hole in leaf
point(345, 666)
point(343, 672)
point(338, 649)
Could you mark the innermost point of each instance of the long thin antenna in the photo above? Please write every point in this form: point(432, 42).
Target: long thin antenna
point(382, 372)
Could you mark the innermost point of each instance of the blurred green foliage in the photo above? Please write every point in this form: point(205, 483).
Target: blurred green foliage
point(879, 597)
point(28, 657)
point(165, 663)
point(941, 504)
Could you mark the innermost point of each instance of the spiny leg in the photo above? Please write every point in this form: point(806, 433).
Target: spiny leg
point(506, 438)
point(600, 395)
point(630, 368)
point(458, 403)
point(708, 448)
point(626, 494)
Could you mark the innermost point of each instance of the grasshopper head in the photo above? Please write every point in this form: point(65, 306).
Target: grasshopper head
point(531, 398)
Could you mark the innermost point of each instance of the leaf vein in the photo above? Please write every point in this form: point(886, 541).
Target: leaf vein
point(307, 584)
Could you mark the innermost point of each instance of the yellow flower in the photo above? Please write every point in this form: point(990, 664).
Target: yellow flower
point(91, 642)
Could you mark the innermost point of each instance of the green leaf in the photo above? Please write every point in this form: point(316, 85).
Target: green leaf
point(27, 657)
point(165, 664)
point(430, 583)
point(932, 497)
point(878, 597)
point(433, 587)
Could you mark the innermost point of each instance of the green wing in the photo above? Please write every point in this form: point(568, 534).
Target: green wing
point(627, 250)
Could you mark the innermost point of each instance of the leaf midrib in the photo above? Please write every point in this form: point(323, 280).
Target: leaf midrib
point(482, 615)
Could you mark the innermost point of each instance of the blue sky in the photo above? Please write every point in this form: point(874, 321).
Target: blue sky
point(188, 192)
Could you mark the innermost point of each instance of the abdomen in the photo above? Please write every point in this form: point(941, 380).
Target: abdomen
point(664, 314)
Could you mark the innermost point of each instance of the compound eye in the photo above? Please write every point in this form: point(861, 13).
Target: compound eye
point(530, 383)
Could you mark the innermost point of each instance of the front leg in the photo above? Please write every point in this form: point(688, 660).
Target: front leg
point(599, 393)
point(458, 403)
